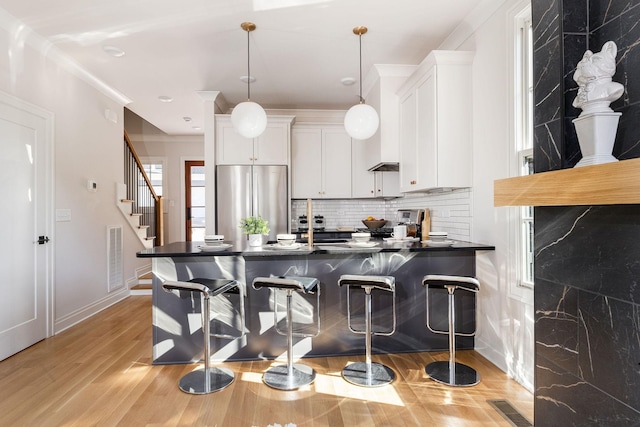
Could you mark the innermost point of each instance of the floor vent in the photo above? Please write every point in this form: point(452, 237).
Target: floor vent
point(510, 413)
point(114, 255)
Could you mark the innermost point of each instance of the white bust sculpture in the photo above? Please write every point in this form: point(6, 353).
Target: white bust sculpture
point(593, 75)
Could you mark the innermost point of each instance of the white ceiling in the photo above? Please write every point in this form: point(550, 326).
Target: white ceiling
point(300, 50)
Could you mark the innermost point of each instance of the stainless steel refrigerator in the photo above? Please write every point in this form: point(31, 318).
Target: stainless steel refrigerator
point(243, 191)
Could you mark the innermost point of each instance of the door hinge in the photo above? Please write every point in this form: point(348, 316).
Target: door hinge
point(42, 240)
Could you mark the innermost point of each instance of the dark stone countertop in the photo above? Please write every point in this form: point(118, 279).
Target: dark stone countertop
point(188, 249)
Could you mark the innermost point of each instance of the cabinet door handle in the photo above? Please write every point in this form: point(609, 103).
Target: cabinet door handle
point(413, 182)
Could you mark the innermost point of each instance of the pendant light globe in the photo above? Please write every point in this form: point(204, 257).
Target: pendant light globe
point(362, 120)
point(249, 119)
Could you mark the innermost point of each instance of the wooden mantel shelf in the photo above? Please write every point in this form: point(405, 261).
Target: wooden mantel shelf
point(615, 183)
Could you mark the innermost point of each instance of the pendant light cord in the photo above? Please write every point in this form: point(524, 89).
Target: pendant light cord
point(360, 39)
point(248, 68)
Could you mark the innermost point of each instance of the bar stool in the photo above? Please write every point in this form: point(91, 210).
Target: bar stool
point(367, 373)
point(290, 376)
point(208, 379)
point(451, 372)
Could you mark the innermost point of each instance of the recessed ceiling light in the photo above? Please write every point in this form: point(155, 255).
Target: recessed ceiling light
point(348, 81)
point(164, 98)
point(113, 51)
point(186, 119)
point(196, 127)
point(247, 79)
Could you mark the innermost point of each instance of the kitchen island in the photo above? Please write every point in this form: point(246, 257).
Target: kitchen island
point(176, 318)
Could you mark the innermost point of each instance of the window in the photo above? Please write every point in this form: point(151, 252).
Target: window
point(154, 172)
point(524, 80)
point(525, 237)
point(154, 168)
point(521, 220)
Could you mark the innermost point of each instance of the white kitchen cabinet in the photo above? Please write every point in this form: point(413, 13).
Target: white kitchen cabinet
point(270, 148)
point(435, 124)
point(365, 184)
point(320, 162)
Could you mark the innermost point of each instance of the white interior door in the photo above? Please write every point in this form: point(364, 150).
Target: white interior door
point(25, 191)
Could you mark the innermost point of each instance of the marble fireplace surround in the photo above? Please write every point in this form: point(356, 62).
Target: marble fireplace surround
point(587, 257)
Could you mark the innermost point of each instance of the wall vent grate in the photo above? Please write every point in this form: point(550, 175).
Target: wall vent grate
point(114, 258)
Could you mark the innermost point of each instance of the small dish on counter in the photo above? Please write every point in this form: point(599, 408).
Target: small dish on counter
point(403, 240)
point(438, 243)
point(361, 237)
point(214, 248)
point(279, 246)
point(354, 244)
point(213, 239)
point(438, 236)
point(286, 239)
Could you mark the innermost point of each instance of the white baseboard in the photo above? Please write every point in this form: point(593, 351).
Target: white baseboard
point(84, 313)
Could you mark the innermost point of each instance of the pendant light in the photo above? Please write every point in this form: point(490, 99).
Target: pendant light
point(361, 121)
point(249, 118)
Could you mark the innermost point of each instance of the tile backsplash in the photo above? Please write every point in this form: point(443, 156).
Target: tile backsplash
point(450, 211)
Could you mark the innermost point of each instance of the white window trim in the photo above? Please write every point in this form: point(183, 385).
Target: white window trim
point(516, 289)
point(146, 160)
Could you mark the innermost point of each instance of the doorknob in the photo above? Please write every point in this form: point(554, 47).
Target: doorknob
point(42, 240)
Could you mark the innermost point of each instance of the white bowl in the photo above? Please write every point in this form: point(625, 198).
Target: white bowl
point(361, 237)
point(214, 239)
point(286, 239)
point(438, 236)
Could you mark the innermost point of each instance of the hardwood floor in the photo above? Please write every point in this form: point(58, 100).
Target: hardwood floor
point(100, 373)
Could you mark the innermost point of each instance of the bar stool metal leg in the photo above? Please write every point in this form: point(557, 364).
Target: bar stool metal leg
point(207, 379)
point(292, 376)
point(368, 373)
point(451, 372)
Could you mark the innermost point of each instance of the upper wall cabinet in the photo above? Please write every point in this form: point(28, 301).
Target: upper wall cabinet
point(435, 123)
point(270, 148)
point(320, 162)
point(381, 87)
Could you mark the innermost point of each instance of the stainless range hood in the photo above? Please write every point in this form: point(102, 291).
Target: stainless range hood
point(385, 167)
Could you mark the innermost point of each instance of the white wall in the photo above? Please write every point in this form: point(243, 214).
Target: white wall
point(175, 150)
point(505, 333)
point(87, 146)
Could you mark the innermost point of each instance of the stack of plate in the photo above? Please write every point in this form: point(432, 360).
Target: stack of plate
point(214, 242)
point(438, 239)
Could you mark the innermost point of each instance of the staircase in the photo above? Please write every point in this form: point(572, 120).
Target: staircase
point(137, 200)
point(133, 218)
point(144, 285)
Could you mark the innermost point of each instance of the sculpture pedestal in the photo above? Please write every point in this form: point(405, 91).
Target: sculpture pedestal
point(596, 135)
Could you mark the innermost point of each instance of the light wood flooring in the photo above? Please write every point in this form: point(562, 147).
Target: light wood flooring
point(100, 373)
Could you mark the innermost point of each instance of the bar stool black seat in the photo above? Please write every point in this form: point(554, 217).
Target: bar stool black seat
point(451, 372)
point(367, 373)
point(208, 379)
point(290, 376)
